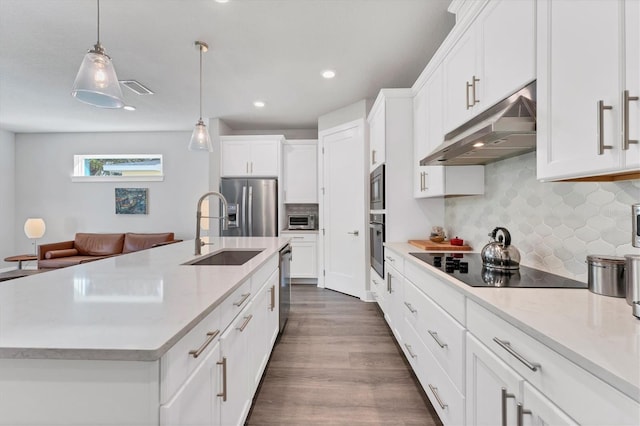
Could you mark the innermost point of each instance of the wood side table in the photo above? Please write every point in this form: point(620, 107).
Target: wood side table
point(21, 258)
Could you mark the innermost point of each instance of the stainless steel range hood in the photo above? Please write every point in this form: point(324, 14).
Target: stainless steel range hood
point(505, 130)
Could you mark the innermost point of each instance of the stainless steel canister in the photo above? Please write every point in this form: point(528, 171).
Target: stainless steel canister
point(606, 275)
point(632, 271)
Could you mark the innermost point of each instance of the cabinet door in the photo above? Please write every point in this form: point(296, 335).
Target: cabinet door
point(377, 136)
point(395, 288)
point(459, 68)
point(273, 312)
point(234, 347)
point(197, 403)
point(632, 59)
point(259, 336)
point(234, 158)
point(508, 52)
point(578, 67)
point(493, 388)
point(301, 173)
point(540, 411)
point(265, 158)
point(304, 259)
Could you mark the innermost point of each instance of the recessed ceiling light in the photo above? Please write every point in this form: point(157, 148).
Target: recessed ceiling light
point(129, 107)
point(259, 104)
point(478, 144)
point(222, 1)
point(328, 74)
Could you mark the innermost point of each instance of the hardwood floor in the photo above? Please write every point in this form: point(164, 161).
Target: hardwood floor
point(338, 364)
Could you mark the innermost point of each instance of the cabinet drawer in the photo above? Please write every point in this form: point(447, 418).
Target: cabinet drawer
point(262, 275)
point(441, 334)
point(581, 395)
point(302, 237)
point(178, 363)
point(394, 259)
point(445, 398)
point(234, 303)
point(442, 293)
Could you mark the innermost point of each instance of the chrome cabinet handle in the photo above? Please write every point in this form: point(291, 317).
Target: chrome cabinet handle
point(245, 323)
point(521, 413)
point(273, 297)
point(223, 394)
point(507, 347)
point(601, 108)
point(474, 98)
point(252, 167)
point(422, 181)
point(210, 336)
point(298, 238)
point(388, 282)
point(373, 156)
point(504, 396)
point(242, 300)
point(426, 181)
point(435, 393)
point(411, 308)
point(468, 87)
point(354, 233)
point(410, 351)
point(390, 259)
point(438, 341)
point(625, 120)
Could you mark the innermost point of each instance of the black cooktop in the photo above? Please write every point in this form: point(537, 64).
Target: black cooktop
point(468, 268)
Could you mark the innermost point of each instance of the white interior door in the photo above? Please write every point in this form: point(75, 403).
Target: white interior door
point(343, 218)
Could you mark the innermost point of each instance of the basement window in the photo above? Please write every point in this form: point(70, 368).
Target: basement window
point(117, 168)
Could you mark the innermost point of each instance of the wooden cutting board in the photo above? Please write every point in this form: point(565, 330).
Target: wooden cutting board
point(443, 246)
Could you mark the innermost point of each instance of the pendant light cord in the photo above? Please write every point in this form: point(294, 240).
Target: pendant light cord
point(200, 82)
point(98, 22)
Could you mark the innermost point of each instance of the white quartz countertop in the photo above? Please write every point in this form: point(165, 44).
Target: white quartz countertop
point(596, 332)
point(130, 307)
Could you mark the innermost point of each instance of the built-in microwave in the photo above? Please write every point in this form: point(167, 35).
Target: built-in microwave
point(376, 191)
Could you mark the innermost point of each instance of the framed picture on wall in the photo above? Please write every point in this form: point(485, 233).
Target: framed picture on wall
point(132, 200)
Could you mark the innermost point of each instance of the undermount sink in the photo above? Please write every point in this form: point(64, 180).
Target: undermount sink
point(227, 257)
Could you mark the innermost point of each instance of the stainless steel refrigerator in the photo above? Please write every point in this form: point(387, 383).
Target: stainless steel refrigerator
point(253, 207)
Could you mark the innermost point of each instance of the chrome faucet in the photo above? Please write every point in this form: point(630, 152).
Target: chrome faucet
point(224, 217)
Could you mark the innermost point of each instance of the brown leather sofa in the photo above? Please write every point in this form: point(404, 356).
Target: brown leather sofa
point(88, 247)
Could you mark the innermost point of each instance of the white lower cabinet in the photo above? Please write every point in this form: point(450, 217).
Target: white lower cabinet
point(304, 255)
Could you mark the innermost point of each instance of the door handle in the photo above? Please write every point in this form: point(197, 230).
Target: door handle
point(504, 396)
point(625, 120)
point(474, 99)
point(223, 394)
point(354, 233)
point(250, 214)
point(601, 108)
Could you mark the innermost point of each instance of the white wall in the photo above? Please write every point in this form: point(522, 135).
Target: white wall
point(7, 196)
point(44, 164)
point(555, 225)
point(346, 114)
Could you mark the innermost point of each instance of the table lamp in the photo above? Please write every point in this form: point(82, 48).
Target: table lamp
point(34, 228)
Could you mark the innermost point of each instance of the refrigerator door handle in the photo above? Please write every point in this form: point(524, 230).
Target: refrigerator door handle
point(243, 218)
point(250, 212)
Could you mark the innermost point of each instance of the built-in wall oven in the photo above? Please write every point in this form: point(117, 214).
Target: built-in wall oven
point(376, 242)
point(376, 191)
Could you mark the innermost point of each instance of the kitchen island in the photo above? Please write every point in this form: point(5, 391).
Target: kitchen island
point(576, 351)
point(113, 341)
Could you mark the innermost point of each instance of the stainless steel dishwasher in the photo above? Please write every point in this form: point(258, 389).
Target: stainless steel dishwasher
point(285, 285)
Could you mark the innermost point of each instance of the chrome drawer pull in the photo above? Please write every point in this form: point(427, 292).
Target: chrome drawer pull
point(410, 351)
point(521, 413)
point(507, 347)
point(197, 352)
point(242, 300)
point(245, 323)
point(435, 393)
point(390, 259)
point(223, 394)
point(273, 298)
point(411, 308)
point(601, 108)
point(504, 396)
point(625, 120)
point(435, 337)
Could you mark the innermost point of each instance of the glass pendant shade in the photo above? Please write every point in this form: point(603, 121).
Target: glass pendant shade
point(34, 227)
point(96, 83)
point(200, 140)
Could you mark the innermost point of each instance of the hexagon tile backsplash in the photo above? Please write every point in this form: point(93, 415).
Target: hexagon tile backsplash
point(555, 225)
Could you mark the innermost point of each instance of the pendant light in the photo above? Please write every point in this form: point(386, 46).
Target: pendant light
point(200, 140)
point(96, 83)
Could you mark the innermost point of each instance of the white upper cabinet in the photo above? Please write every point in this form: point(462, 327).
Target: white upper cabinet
point(583, 73)
point(377, 136)
point(250, 156)
point(301, 171)
point(492, 58)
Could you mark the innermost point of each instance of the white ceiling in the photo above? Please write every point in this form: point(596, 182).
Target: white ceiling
point(272, 50)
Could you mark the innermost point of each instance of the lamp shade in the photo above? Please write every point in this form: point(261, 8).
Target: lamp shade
point(96, 83)
point(200, 140)
point(34, 227)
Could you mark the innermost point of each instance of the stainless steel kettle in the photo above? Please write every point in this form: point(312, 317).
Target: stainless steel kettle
point(499, 254)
